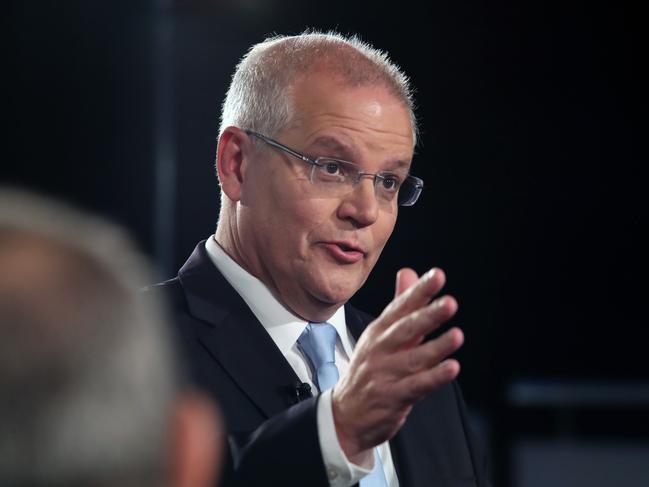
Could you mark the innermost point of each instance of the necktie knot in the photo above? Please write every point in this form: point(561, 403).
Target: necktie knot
point(318, 342)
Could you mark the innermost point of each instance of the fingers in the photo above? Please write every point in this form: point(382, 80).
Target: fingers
point(405, 278)
point(429, 354)
point(410, 330)
point(416, 386)
point(413, 295)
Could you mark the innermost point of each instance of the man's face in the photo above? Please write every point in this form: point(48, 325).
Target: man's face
point(312, 249)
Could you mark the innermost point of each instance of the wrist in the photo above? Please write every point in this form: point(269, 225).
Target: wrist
point(347, 438)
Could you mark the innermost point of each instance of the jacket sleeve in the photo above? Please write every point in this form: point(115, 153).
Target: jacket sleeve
point(283, 451)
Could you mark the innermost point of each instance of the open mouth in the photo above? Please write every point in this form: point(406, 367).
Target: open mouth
point(347, 248)
point(343, 252)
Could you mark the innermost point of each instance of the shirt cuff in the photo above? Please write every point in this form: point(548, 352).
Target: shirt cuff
point(340, 471)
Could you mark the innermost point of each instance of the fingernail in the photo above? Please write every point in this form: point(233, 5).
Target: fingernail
point(444, 364)
point(429, 275)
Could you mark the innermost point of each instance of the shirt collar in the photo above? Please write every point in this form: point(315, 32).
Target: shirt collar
point(283, 326)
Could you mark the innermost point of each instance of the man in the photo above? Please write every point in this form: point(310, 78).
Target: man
point(89, 387)
point(262, 303)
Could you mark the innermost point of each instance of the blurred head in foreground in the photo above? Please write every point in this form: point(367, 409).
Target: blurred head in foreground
point(90, 393)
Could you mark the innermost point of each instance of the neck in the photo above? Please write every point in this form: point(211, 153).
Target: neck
point(228, 242)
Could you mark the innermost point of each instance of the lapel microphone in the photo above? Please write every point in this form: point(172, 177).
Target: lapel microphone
point(301, 391)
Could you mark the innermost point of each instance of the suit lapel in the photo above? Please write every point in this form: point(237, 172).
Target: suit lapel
point(234, 337)
point(356, 321)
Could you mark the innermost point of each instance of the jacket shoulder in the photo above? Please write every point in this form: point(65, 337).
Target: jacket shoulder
point(169, 291)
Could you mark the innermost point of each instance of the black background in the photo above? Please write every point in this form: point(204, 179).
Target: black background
point(533, 146)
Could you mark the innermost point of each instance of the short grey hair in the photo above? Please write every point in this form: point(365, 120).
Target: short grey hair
point(87, 367)
point(258, 97)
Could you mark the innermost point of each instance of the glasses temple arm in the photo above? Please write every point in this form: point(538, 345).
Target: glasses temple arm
point(288, 150)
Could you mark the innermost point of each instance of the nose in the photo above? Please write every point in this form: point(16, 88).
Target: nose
point(360, 205)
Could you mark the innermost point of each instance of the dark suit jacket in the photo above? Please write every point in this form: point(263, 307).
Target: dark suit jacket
point(272, 438)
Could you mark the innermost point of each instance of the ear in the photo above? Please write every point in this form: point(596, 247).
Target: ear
point(230, 157)
point(196, 442)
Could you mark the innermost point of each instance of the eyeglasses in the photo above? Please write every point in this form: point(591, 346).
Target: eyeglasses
point(337, 176)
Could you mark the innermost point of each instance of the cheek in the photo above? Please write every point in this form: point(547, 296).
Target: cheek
point(271, 205)
point(383, 229)
point(311, 216)
point(293, 226)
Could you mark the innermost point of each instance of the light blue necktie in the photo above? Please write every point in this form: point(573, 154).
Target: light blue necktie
point(318, 342)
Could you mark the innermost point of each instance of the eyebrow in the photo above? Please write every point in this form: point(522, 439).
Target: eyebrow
point(348, 153)
point(328, 143)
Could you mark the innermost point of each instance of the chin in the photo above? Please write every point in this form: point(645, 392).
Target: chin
point(338, 291)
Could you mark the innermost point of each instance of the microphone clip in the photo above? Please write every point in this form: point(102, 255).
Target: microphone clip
point(301, 391)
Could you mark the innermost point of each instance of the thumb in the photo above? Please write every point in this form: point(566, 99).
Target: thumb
point(406, 277)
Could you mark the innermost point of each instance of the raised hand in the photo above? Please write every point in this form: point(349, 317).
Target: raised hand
point(393, 367)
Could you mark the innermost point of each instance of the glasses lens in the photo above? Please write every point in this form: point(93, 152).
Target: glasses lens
point(334, 171)
point(330, 173)
point(409, 191)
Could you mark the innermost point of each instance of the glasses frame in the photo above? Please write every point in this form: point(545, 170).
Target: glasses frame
point(417, 183)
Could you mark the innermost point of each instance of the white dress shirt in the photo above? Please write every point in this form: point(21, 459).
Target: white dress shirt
point(284, 329)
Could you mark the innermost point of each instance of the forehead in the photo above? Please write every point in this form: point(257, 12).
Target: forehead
point(366, 120)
